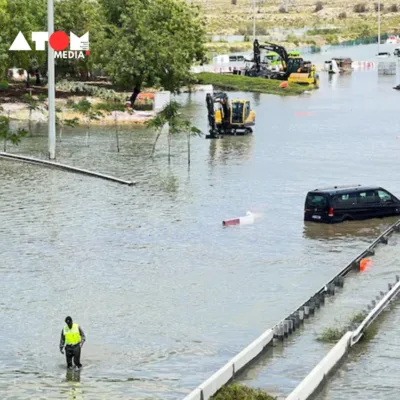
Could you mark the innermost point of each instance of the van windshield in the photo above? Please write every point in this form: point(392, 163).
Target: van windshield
point(316, 200)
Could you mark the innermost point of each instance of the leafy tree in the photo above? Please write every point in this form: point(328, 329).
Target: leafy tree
point(91, 114)
point(151, 42)
point(4, 22)
point(110, 108)
point(26, 16)
point(169, 119)
point(33, 105)
point(79, 16)
point(61, 122)
point(14, 137)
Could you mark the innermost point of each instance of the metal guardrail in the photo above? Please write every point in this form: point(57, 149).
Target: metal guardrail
point(318, 376)
point(309, 306)
point(285, 327)
point(374, 314)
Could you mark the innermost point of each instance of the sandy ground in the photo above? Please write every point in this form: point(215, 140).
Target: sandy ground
point(224, 18)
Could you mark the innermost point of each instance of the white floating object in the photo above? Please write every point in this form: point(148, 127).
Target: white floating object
point(246, 220)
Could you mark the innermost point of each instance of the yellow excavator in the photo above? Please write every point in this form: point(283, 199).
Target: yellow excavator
point(235, 118)
point(293, 69)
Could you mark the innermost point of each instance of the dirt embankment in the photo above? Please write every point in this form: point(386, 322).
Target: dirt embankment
point(12, 105)
point(225, 18)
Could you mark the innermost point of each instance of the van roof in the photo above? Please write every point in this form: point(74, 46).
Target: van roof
point(345, 189)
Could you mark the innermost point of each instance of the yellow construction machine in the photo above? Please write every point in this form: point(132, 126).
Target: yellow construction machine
point(235, 118)
point(293, 69)
point(306, 74)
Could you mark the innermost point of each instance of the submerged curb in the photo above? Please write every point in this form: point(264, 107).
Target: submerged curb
point(64, 167)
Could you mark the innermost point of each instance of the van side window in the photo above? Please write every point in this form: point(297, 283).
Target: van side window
point(346, 199)
point(367, 197)
point(384, 196)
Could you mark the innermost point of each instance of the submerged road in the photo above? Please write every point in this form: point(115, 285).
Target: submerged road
point(164, 294)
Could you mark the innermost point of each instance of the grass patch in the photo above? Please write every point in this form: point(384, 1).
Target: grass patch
point(236, 391)
point(333, 335)
point(247, 84)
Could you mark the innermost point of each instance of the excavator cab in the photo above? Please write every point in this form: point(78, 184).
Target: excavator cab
point(224, 118)
point(306, 73)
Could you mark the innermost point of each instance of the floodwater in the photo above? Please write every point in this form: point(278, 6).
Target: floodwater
point(164, 293)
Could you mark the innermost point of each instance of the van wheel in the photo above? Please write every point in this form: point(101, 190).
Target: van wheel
point(347, 219)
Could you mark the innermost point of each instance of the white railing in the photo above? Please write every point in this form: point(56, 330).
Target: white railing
point(285, 327)
point(312, 382)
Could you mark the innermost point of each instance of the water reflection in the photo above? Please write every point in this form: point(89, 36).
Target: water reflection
point(332, 79)
point(238, 148)
point(256, 99)
point(368, 229)
point(73, 375)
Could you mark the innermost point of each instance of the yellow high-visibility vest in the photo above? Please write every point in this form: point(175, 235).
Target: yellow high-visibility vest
point(72, 336)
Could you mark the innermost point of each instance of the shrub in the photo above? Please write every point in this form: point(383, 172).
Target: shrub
point(282, 9)
point(3, 86)
point(376, 6)
point(393, 8)
point(360, 8)
point(342, 15)
point(318, 6)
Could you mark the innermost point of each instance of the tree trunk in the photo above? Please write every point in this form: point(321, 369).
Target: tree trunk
point(155, 143)
point(116, 130)
point(134, 96)
point(38, 81)
point(169, 148)
point(28, 76)
point(61, 125)
point(188, 142)
point(87, 134)
point(30, 122)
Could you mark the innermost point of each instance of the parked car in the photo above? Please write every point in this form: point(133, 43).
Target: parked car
point(348, 203)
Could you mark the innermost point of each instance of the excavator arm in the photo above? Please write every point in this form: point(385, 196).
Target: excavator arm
point(277, 49)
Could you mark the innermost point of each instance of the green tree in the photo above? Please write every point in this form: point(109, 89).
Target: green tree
point(151, 42)
point(91, 114)
point(61, 122)
point(79, 17)
point(26, 16)
point(4, 22)
point(32, 105)
point(169, 119)
point(7, 134)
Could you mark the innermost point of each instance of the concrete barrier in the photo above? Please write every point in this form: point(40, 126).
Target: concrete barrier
point(64, 167)
point(288, 325)
point(316, 377)
point(216, 381)
point(195, 395)
point(252, 351)
point(232, 367)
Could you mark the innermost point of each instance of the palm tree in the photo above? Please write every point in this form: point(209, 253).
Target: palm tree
point(169, 119)
point(5, 132)
point(85, 107)
point(32, 106)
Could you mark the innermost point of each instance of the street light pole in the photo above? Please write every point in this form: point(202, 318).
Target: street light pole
point(51, 83)
point(254, 20)
point(379, 24)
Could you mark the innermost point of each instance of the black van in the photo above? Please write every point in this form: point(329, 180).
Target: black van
point(348, 203)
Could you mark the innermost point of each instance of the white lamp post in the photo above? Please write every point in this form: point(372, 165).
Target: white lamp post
point(51, 83)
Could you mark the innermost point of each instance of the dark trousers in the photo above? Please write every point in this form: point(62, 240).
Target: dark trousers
point(73, 352)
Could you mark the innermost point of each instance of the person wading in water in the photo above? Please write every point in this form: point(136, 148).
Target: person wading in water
point(72, 337)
